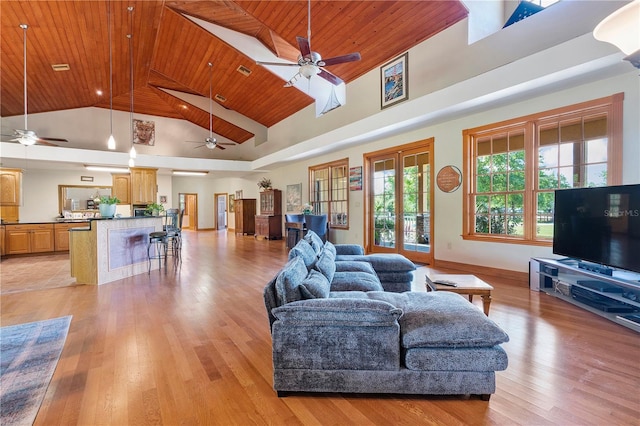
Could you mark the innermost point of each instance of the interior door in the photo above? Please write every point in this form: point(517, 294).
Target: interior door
point(189, 202)
point(221, 211)
point(399, 199)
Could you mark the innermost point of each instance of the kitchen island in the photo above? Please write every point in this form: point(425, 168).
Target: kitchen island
point(111, 249)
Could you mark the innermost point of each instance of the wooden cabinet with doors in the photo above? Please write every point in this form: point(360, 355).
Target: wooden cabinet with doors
point(25, 239)
point(245, 216)
point(61, 234)
point(269, 221)
point(121, 187)
point(10, 187)
point(2, 235)
point(144, 188)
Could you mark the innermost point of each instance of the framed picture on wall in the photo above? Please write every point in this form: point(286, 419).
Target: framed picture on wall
point(394, 81)
point(232, 203)
point(239, 195)
point(294, 197)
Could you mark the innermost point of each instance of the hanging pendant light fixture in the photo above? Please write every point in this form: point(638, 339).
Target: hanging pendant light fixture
point(111, 142)
point(132, 153)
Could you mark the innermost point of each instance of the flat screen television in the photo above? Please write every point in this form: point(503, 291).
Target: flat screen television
point(600, 225)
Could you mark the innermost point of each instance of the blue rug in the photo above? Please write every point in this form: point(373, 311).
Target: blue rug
point(29, 354)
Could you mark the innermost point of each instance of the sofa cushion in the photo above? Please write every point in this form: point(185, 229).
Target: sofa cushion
point(355, 281)
point(289, 279)
point(355, 266)
point(328, 245)
point(492, 358)
point(382, 262)
point(315, 285)
point(326, 265)
point(441, 319)
point(304, 250)
point(339, 312)
point(314, 241)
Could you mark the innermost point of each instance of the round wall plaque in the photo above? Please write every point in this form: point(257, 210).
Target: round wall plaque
point(449, 179)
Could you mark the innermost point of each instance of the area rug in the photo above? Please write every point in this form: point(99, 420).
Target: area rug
point(29, 354)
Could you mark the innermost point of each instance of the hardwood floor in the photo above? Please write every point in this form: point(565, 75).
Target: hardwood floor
point(192, 346)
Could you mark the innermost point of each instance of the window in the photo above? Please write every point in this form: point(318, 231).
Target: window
point(514, 167)
point(329, 191)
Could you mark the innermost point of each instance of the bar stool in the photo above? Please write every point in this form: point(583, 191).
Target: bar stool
point(157, 248)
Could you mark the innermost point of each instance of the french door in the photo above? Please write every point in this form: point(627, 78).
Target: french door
point(399, 201)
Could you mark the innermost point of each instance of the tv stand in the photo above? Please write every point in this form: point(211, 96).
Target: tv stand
point(611, 293)
point(594, 267)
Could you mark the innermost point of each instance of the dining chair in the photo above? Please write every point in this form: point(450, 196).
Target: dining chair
point(317, 223)
point(294, 227)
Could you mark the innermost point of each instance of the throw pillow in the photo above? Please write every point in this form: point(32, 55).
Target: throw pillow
point(315, 241)
point(304, 250)
point(326, 265)
point(315, 286)
point(331, 248)
point(289, 280)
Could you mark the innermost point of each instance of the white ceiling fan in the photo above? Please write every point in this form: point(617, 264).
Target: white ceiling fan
point(24, 136)
point(211, 142)
point(310, 63)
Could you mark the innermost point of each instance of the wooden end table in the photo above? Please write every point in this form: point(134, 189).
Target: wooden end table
point(466, 284)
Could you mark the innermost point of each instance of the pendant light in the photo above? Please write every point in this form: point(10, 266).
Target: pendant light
point(132, 153)
point(111, 143)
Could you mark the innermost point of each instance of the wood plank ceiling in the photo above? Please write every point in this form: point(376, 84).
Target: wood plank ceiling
point(172, 52)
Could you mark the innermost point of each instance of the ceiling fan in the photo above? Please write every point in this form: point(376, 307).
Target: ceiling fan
point(25, 136)
point(211, 142)
point(310, 63)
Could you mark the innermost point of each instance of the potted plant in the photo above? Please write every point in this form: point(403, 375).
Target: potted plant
point(264, 184)
point(107, 205)
point(154, 209)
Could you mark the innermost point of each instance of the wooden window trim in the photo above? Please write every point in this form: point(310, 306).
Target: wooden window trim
point(614, 108)
point(344, 162)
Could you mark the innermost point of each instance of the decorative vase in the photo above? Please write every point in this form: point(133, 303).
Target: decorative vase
point(107, 210)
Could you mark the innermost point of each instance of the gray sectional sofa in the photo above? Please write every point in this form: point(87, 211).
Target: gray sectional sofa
point(335, 327)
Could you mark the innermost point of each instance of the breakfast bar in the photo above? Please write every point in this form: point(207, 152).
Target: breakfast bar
point(111, 249)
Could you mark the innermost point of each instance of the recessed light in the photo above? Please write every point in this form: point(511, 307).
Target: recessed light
point(60, 67)
point(99, 92)
point(220, 98)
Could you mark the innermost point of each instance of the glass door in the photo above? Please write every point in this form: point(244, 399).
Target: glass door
point(399, 201)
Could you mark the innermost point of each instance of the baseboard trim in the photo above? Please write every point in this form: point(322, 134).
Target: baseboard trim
point(520, 277)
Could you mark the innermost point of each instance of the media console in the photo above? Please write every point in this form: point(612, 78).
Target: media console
point(614, 294)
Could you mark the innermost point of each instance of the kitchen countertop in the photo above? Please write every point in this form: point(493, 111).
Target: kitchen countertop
point(84, 220)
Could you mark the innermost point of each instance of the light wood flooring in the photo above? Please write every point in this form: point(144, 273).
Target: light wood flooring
point(192, 346)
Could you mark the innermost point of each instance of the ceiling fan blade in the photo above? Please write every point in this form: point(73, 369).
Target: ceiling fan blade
point(277, 63)
point(220, 146)
point(199, 146)
point(340, 59)
point(304, 46)
point(40, 141)
point(336, 81)
point(52, 139)
point(226, 143)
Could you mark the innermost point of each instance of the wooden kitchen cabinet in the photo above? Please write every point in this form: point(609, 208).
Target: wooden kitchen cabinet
point(25, 239)
point(144, 187)
point(121, 187)
point(61, 234)
point(245, 210)
point(10, 187)
point(2, 236)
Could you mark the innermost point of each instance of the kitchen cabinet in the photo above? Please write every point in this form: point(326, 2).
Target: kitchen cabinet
point(2, 235)
point(10, 213)
point(121, 187)
point(245, 210)
point(10, 187)
point(61, 234)
point(269, 221)
point(32, 238)
point(144, 188)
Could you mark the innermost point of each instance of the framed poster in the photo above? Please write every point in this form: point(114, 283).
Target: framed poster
point(355, 178)
point(294, 197)
point(232, 203)
point(394, 81)
point(144, 132)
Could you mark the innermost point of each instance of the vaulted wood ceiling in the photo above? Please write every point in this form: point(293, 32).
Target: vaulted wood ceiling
point(172, 52)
